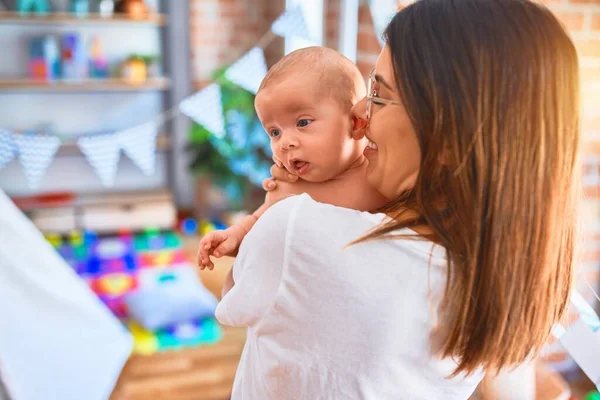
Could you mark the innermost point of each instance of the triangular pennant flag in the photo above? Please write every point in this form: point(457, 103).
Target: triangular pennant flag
point(249, 71)
point(35, 154)
point(8, 149)
point(102, 152)
point(291, 24)
point(382, 13)
point(205, 108)
point(139, 144)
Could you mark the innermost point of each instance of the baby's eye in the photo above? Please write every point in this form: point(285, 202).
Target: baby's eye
point(303, 122)
point(274, 133)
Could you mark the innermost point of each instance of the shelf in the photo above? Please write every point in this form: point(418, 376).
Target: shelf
point(90, 85)
point(10, 17)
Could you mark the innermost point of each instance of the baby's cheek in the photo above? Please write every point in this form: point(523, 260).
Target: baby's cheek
point(276, 150)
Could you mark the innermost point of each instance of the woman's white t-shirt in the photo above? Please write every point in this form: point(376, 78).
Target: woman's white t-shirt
point(326, 321)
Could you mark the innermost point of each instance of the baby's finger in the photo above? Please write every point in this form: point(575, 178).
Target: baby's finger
point(269, 184)
point(282, 174)
point(222, 249)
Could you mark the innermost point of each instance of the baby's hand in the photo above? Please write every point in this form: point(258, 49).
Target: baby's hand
point(218, 244)
point(278, 173)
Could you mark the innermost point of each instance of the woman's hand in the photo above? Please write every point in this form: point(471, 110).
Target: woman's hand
point(278, 173)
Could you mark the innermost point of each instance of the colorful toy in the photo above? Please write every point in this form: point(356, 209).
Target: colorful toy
point(116, 305)
point(44, 58)
point(106, 8)
point(176, 296)
point(135, 9)
point(99, 68)
point(38, 6)
point(74, 59)
point(80, 8)
point(145, 277)
point(144, 342)
point(114, 284)
point(189, 334)
point(592, 396)
point(55, 240)
point(188, 227)
point(134, 70)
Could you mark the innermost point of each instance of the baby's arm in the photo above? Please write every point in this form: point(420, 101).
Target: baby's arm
point(227, 242)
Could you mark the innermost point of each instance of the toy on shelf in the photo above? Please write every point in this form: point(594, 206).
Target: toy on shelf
point(106, 8)
point(80, 8)
point(38, 6)
point(134, 70)
point(135, 9)
point(98, 68)
point(74, 59)
point(44, 58)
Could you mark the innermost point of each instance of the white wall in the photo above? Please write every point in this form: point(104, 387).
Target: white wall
point(72, 114)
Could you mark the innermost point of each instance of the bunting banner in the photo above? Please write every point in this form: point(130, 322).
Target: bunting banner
point(206, 108)
point(8, 149)
point(291, 24)
point(35, 155)
point(139, 144)
point(249, 71)
point(103, 153)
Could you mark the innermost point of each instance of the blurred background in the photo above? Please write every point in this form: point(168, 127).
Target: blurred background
point(127, 130)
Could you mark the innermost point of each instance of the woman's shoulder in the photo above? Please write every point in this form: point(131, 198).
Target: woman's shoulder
point(302, 210)
point(317, 224)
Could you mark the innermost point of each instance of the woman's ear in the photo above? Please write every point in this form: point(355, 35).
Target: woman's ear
point(358, 128)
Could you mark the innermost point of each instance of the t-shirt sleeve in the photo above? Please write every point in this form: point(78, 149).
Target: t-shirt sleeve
point(258, 267)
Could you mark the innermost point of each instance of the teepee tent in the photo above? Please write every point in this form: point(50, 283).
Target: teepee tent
point(57, 340)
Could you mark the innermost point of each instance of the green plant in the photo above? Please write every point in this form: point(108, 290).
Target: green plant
point(240, 160)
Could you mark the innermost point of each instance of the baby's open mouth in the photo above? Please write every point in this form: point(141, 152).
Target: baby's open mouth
point(300, 166)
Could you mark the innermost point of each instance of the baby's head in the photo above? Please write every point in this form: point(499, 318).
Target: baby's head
point(304, 104)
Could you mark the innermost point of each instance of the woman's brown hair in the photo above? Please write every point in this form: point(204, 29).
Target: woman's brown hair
point(492, 90)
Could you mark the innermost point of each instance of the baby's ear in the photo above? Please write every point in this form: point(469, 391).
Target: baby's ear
point(358, 128)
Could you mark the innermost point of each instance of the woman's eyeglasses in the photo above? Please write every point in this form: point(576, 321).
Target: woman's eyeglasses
point(373, 96)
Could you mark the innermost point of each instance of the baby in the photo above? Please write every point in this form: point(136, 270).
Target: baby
point(304, 104)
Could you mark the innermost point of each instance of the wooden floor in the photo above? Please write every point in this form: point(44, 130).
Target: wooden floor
point(202, 373)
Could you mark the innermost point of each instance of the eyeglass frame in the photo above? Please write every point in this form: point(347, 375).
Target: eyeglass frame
point(379, 100)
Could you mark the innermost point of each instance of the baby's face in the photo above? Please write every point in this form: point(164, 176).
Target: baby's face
point(310, 134)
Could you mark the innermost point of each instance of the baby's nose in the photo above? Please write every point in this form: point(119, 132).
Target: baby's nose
point(359, 110)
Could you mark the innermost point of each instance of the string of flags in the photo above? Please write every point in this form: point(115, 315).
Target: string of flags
point(36, 151)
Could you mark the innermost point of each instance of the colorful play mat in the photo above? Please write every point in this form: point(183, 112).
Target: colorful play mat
point(146, 281)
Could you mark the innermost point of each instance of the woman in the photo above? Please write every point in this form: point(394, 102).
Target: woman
point(473, 118)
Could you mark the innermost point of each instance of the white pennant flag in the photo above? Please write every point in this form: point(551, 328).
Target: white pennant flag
point(8, 149)
point(205, 108)
point(382, 12)
point(102, 152)
point(249, 71)
point(291, 24)
point(35, 154)
point(139, 144)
